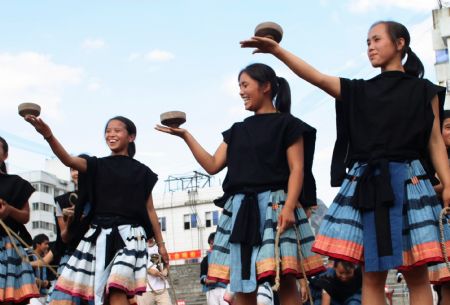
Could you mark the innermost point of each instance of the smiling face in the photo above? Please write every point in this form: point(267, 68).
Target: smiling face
point(382, 51)
point(255, 96)
point(117, 137)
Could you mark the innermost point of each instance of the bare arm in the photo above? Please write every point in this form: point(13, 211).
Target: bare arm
point(20, 215)
point(295, 156)
point(157, 230)
point(212, 164)
point(77, 163)
point(438, 154)
point(47, 259)
point(329, 84)
point(326, 299)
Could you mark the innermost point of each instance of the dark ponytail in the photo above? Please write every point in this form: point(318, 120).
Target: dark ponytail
point(281, 92)
point(413, 66)
point(4, 145)
point(131, 129)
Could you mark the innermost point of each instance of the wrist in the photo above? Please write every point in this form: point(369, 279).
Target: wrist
point(161, 243)
point(49, 137)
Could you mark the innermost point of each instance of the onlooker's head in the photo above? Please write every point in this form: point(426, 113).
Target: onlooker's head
point(211, 239)
point(40, 243)
point(345, 271)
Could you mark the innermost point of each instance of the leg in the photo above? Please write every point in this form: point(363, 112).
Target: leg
point(245, 298)
point(419, 286)
point(118, 297)
point(445, 294)
point(289, 294)
point(373, 288)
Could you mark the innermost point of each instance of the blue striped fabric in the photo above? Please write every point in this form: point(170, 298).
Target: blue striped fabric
point(15, 273)
point(342, 232)
point(225, 264)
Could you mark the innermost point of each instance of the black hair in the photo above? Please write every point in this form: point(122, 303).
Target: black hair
point(446, 115)
point(413, 66)
point(281, 91)
point(5, 149)
point(346, 265)
point(211, 237)
point(39, 239)
point(131, 129)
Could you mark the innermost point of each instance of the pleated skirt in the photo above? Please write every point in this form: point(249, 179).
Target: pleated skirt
point(342, 232)
point(17, 280)
point(86, 277)
point(225, 262)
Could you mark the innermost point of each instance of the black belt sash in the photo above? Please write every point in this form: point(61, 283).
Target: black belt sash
point(374, 192)
point(246, 231)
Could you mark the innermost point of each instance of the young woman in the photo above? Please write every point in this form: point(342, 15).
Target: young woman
point(269, 159)
point(109, 264)
point(17, 281)
point(388, 127)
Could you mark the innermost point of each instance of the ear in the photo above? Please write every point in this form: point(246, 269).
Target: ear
point(266, 87)
point(131, 138)
point(400, 43)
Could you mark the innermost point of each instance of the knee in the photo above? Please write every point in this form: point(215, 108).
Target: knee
point(416, 276)
point(374, 279)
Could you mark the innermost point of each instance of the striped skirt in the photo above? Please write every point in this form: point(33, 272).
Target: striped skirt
point(225, 260)
point(414, 216)
point(85, 275)
point(17, 281)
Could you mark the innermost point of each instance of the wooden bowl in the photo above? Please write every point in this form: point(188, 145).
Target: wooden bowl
point(173, 118)
point(29, 108)
point(270, 30)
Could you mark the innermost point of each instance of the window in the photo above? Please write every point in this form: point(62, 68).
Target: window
point(162, 223)
point(208, 219)
point(193, 221)
point(211, 218)
point(190, 221)
point(187, 222)
point(36, 186)
point(215, 218)
point(441, 56)
point(35, 206)
point(45, 188)
point(35, 224)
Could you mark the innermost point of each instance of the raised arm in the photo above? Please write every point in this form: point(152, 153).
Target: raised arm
point(212, 164)
point(77, 163)
point(438, 154)
point(329, 84)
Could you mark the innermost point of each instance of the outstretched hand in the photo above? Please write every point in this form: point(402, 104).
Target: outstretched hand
point(176, 131)
point(262, 44)
point(39, 125)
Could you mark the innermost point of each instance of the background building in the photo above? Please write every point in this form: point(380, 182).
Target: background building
point(187, 215)
point(42, 204)
point(441, 40)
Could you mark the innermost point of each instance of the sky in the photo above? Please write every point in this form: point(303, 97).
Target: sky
point(87, 61)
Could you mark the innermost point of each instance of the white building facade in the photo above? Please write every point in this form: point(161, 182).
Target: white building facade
point(187, 218)
point(42, 203)
point(441, 42)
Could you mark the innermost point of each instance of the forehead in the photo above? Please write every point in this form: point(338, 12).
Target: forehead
point(377, 30)
point(244, 77)
point(115, 124)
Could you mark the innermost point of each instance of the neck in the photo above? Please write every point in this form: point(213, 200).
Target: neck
point(266, 109)
point(395, 65)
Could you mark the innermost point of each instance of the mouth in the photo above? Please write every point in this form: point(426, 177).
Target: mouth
point(112, 141)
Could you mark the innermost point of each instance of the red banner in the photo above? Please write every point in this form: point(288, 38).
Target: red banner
point(185, 254)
